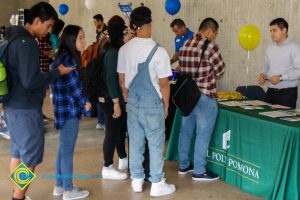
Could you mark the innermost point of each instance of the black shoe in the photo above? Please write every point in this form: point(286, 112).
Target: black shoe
point(208, 176)
point(186, 170)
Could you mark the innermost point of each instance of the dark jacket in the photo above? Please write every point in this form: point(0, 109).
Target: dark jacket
point(24, 67)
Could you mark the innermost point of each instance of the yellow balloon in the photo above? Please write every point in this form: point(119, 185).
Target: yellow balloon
point(249, 37)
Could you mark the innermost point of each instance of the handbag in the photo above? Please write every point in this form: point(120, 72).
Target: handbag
point(187, 93)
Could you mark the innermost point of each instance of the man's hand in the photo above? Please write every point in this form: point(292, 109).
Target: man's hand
point(49, 54)
point(87, 106)
point(178, 69)
point(64, 70)
point(262, 79)
point(275, 79)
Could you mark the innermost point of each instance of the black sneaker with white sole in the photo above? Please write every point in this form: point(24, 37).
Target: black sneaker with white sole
point(186, 170)
point(208, 176)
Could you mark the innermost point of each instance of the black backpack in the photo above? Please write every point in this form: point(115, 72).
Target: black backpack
point(93, 83)
point(6, 81)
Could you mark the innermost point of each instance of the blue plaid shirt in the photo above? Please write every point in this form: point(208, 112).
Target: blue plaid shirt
point(68, 98)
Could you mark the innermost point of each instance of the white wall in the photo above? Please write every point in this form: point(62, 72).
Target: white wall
point(231, 15)
point(10, 7)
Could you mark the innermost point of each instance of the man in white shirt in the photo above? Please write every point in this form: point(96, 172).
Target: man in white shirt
point(143, 69)
point(282, 66)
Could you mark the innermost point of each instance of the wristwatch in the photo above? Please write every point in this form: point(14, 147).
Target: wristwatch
point(280, 78)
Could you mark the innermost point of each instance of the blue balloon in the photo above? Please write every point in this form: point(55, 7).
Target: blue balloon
point(63, 9)
point(172, 6)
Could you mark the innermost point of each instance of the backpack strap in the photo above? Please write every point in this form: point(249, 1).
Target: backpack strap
point(9, 41)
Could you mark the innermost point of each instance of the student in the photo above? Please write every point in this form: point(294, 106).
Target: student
point(143, 69)
point(23, 110)
point(203, 117)
point(68, 104)
point(113, 106)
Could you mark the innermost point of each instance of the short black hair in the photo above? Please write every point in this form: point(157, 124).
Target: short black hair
point(178, 22)
point(44, 11)
point(98, 17)
point(140, 16)
point(58, 27)
point(115, 19)
point(209, 23)
point(281, 23)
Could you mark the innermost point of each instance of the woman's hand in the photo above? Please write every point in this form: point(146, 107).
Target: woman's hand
point(117, 110)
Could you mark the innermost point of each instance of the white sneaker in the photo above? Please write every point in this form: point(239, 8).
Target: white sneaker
point(111, 173)
point(161, 188)
point(137, 185)
point(100, 126)
point(58, 191)
point(76, 193)
point(123, 163)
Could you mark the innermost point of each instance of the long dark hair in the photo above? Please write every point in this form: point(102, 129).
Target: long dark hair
point(67, 42)
point(115, 32)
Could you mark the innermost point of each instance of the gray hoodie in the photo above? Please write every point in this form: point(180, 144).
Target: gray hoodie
point(24, 67)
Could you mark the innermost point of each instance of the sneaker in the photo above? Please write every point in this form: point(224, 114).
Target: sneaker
point(186, 170)
point(205, 177)
point(76, 193)
point(58, 191)
point(111, 173)
point(123, 163)
point(100, 126)
point(161, 188)
point(137, 185)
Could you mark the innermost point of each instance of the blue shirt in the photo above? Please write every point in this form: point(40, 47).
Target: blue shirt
point(180, 40)
point(283, 60)
point(68, 98)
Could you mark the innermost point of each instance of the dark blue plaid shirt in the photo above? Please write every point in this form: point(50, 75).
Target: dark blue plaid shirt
point(68, 98)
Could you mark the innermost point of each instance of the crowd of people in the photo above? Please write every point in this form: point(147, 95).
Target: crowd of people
point(135, 71)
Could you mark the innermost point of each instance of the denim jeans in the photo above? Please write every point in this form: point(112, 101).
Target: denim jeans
point(146, 119)
point(203, 118)
point(100, 115)
point(64, 158)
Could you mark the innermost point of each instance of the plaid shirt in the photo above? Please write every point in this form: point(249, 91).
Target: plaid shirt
point(212, 64)
point(68, 98)
point(44, 45)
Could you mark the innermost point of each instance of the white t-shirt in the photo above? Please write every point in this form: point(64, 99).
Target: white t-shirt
point(136, 51)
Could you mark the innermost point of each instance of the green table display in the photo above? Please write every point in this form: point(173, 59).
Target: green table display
point(256, 153)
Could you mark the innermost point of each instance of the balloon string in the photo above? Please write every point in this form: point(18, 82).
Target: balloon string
point(247, 70)
point(248, 62)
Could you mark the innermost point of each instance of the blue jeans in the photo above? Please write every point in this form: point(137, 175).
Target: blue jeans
point(64, 158)
point(100, 115)
point(203, 118)
point(146, 119)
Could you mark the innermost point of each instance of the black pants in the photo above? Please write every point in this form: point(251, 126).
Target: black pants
point(115, 133)
point(285, 97)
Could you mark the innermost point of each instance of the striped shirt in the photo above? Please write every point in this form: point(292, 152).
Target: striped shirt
point(212, 64)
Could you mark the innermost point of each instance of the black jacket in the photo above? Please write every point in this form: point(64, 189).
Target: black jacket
point(24, 67)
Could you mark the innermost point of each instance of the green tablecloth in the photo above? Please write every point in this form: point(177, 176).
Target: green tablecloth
point(258, 154)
